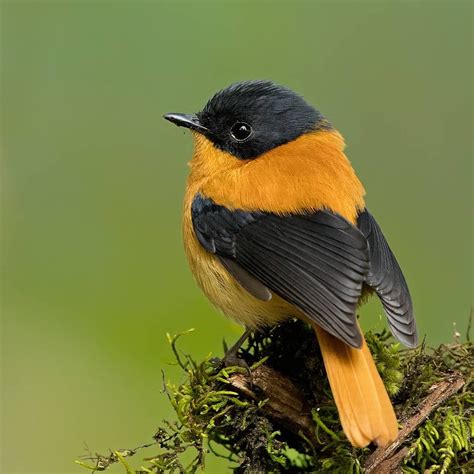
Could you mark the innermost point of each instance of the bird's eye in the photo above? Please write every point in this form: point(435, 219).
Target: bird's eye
point(240, 131)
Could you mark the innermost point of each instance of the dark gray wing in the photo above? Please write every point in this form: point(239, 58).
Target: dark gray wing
point(246, 280)
point(318, 261)
point(386, 278)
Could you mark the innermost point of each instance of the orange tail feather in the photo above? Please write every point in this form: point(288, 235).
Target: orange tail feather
point(363, 404)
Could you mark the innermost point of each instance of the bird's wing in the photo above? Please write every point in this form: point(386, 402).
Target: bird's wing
point(318, 261)
point(386, 278)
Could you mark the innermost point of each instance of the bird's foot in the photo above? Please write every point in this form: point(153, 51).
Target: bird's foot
point(231, 359)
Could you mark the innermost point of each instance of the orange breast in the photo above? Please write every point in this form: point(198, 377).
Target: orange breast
point(309, 173)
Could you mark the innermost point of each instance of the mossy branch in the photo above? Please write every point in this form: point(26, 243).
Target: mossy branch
point(282, 418)
point(387, 458)
point(284, 402)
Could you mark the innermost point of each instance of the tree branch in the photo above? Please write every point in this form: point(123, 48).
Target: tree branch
point(385, 459)
point(286, 405)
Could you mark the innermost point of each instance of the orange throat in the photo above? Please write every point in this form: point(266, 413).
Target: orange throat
point(307, 174)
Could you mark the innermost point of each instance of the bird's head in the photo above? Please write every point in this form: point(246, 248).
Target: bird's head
point(261, 146)
point(248, 119)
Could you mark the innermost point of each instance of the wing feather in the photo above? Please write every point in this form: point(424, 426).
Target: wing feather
point(318, 261)
point(386, 278)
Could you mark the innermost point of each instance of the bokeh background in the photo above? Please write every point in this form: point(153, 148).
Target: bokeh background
point(93, 271)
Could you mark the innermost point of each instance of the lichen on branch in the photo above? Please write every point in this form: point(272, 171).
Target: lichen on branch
point(282, 418)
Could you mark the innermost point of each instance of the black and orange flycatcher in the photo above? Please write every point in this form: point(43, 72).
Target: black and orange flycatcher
point(275, 226)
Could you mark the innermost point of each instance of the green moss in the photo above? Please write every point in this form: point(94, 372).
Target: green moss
point(212, 418)
point(444, 443)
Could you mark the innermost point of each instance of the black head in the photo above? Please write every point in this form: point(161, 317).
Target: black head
point(249, 118)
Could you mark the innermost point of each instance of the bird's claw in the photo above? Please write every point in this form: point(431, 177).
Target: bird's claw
point(233, 360)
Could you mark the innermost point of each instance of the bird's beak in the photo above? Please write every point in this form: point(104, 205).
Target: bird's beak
point(190, 121)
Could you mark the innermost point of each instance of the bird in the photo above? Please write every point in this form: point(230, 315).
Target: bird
point(275, 226)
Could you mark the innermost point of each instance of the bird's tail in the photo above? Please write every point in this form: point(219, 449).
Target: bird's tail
point(365, 410)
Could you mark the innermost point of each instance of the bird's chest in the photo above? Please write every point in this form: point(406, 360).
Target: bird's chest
point(224, 291)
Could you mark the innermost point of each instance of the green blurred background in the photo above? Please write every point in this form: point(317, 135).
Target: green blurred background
point(93, 271)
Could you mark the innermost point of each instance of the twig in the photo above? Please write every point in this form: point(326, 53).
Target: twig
point(392, 465)
point(387, 459)
point(284, 402)
point(469, 324)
